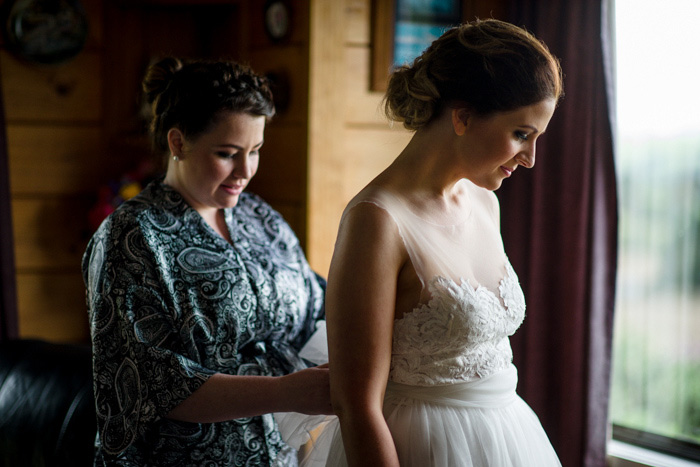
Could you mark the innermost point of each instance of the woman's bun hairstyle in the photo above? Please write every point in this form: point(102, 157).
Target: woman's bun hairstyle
point(488, 66)
point(190, 96)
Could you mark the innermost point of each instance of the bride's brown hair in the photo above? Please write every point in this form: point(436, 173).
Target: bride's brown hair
point(487, 65)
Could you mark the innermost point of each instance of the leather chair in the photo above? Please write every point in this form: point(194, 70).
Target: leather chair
point(47, 411)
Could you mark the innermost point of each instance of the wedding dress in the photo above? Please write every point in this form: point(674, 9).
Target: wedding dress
point(450, 399)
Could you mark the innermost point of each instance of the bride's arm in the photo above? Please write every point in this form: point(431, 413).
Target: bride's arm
point(360, 304)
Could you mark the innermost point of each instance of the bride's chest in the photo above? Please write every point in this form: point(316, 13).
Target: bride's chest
point(460, 315)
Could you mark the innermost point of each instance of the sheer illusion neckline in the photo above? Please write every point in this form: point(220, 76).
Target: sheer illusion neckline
point(460, 223)
point(466, 213)
point(466, 284)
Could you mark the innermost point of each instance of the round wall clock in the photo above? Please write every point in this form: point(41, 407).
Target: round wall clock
point(277, 19)
point(45, 31)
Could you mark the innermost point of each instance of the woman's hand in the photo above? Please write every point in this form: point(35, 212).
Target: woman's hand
point(308, 391)
point(227, 397)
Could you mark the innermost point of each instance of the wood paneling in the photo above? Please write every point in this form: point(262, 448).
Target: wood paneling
point(123, 73)
point(372, 151)
point(55, 144)
point(193, 31)
point(292, 62)
point(221, 31)
point(327, 158)
point(50, 233)
point(68, 92)
point(482, 9)
point(138, 33)
point(350, 140)
point(382, 30)
point(299, 30)
point(281, 176)
point(362, 106)
point(52, 307)
point(54, 159)
point(94, 11)
point(357, 22)
point(75, 126)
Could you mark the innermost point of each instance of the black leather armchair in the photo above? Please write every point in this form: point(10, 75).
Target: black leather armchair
point(47, 411)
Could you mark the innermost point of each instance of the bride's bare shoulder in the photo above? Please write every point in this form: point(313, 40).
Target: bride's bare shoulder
point(368, 204)
point(369, 213)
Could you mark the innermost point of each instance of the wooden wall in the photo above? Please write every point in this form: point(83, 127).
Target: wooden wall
point(229, 29)
point(77, 126)
point(54, 124)
point(282, 177)
point(350, 141)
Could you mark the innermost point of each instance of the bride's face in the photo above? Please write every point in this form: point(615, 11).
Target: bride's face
point(495, 145)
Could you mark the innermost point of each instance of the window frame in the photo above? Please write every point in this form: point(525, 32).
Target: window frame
point(675, 447)
point(686, 451)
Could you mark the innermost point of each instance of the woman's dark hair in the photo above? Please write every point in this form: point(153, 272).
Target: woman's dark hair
point(190, 96)
point(488, 66)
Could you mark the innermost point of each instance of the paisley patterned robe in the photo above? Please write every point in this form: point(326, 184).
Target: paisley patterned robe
point(171, 303)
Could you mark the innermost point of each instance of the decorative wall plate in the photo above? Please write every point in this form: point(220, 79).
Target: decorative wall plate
point(45, 31)
point(277, 19)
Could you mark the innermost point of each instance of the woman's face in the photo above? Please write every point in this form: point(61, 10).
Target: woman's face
point(213, 170)
point(497, 144)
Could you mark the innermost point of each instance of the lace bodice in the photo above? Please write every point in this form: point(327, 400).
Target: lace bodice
point(461, 334)
point(458, 332)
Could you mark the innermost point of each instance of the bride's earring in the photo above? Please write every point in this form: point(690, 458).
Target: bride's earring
point(175, 158)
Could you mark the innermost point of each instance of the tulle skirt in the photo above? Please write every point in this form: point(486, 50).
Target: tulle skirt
point(477, 423)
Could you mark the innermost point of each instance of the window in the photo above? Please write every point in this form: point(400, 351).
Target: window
point(419, 23)
point(655, 398)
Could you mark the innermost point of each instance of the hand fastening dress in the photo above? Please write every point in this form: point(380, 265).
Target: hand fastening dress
point(171, 303)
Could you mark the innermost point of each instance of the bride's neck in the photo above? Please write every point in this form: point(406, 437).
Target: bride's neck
point(427, 165)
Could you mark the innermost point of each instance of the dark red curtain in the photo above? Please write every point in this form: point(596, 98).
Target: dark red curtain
point(559, 223)
point(8, 293)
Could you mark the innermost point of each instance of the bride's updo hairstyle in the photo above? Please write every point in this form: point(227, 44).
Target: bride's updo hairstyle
point(190, 96)
point(487, 66)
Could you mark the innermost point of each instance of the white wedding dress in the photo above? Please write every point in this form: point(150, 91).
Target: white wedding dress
point(450, 399)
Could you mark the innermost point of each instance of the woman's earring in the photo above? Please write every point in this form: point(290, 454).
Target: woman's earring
point(175, 158)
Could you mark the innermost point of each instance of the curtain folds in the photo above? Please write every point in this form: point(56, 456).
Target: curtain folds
point(8, 291)
point(559, 224)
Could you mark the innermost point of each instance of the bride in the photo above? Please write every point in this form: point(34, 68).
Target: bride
point(421, 296)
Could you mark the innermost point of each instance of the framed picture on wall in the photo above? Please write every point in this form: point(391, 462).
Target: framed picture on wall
point(419, 23)
point(403, 29)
